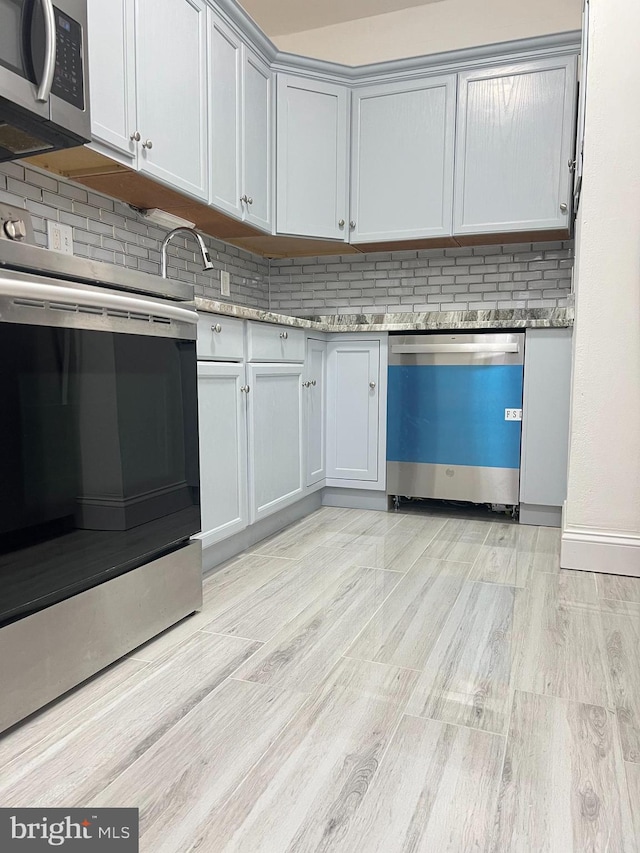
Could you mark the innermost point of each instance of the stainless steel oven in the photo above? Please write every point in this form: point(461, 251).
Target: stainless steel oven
point(98, 464)
point(44, 93)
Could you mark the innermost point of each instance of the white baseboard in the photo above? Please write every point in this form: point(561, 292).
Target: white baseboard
point(600, 551)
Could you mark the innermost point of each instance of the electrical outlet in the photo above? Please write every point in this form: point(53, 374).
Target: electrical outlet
point(225, 280)
point(60, 237)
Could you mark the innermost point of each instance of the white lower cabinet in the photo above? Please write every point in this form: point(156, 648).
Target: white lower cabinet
point(223, 450)
point(356, 399)
point(315, 394)
point(276, 459)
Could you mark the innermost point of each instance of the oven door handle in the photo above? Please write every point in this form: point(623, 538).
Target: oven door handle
point(46, 84)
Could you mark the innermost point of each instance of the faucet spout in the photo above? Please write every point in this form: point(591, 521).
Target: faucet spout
point(207, 263)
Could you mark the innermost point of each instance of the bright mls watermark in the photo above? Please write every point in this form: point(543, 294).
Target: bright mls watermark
point(79, 830)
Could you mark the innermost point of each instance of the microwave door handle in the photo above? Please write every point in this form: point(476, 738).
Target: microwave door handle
point(44, 90)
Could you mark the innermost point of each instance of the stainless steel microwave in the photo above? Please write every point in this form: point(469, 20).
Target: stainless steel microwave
point(44, 92)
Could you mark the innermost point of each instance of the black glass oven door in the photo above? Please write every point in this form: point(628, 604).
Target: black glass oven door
point(98, 458)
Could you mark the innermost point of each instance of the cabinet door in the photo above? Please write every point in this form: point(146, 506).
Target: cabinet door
point(112, 76)
point(353, 369)
point(402, 160)
point(546, 410)
point(315, 393)
point(225, 58)
point(171, 67)
point(275, 437)
point(223, 450)
point(515, 138)
point(257, 130)
point(312, 146)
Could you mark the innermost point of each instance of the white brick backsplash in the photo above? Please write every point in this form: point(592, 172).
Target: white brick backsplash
point(514, 275)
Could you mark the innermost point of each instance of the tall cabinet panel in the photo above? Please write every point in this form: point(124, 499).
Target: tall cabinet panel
point(402, 159)
point(171, 70)
point(315, 411)
point(275, 437)
point(223, 450)
point(112, 76)
point(225, 82)
point(515, 138)
point(312, 146)
point(257, 145)
point(353, 378)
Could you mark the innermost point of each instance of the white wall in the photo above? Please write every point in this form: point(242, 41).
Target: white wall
point(604, 468)
point(433, 28)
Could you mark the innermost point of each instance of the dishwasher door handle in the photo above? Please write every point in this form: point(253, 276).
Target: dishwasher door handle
point(416, 349)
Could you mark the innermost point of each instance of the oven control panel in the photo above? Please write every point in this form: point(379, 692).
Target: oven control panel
point(15, 225)
point(68, 81)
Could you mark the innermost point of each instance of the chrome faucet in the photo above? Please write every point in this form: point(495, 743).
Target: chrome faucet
point(206, 258)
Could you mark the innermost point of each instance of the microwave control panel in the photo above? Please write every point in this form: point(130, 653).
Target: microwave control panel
point(68, 81)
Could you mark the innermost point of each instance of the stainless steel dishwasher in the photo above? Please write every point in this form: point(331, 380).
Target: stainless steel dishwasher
point(455, 416)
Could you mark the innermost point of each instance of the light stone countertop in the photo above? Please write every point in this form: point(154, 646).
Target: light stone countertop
point(505, 318)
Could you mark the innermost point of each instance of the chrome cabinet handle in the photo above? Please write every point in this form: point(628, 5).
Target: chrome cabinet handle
point(563, 207)
point(284, 335)
point(44, 90)
point(217, 328)
point(341, 223)
point(148, 144)
point(135, 137)
point(245, 389)
point(372, 385)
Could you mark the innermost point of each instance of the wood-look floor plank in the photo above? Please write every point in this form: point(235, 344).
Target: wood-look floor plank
point(435, 790)
point(420, 524)
point(317, 529)
point(69, 712)
point(467, 679)
point(303, 794)
point(267, 609)
point(547, 551)
point(563, 651)
point(622, 638)
point(300, 655)
point(618, 587)
point(563, 788)
point(75, 769)
point(231, 585)
point(405, 629)
point(198, 764)
point(507, 556)
point(393, 551)
point(458, 540)
point(633, 783)
point(622, 608)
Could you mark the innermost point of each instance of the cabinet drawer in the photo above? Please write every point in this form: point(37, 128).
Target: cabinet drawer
point(220, 338)
point(274, 343)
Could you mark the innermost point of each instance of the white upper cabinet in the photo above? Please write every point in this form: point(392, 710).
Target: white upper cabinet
point(402, 159)
point(171, 73)
point(241, 128)
point(312, 149)
point(257, 141)
point(112, 76)
point(225, 85)
point(515, 137)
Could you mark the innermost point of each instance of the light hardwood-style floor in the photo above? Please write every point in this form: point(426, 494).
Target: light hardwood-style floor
point(366, 682)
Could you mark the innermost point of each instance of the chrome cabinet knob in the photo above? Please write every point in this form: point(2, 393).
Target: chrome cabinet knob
point(249, 200)
point(306, 385)
point(148, 144)
point(313, 382)
point(563, 207)
point(245, 389)
point(217, 328)
point(284, 335)
point(135, 137)
point(341, 223)
point(372, 385)
point(352, 224)
point(244, 198)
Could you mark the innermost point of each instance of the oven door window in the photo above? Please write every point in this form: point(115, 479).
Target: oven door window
point(98, 458)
